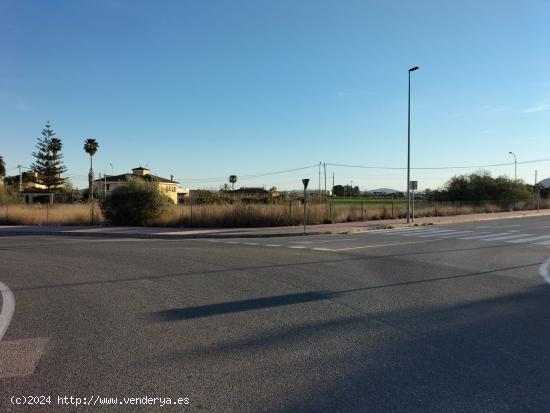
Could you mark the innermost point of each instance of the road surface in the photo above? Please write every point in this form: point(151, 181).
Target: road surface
point(452, 318)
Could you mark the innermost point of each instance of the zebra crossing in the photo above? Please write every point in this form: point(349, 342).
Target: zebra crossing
point(512, 236)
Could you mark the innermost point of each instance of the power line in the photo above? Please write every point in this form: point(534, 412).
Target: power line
point(259, 175)
point(439, 167)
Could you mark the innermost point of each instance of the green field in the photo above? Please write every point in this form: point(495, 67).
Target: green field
point(367, 201)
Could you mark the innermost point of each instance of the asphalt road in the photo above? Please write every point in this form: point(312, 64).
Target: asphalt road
point(452, 318)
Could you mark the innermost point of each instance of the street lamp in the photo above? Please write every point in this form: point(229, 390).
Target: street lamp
point(515, 166)
point(412, 69)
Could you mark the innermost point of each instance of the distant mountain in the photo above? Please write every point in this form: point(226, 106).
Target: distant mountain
point(384, 191)
point(545, 183)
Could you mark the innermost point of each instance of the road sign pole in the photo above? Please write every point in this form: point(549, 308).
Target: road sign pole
point(305, 182)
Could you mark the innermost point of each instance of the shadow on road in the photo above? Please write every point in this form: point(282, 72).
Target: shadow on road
point(486, 355)
point(208, 310)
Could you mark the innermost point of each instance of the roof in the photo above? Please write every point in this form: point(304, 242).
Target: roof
point(141, 168)
point(36, 191)
point(124, 178)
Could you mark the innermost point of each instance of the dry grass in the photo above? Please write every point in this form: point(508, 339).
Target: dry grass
point(257, 215)
point(76, 214)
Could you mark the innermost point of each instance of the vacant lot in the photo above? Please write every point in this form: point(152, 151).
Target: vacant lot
point(258, 215)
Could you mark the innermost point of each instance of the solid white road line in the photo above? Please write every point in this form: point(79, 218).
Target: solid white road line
point(522, 240)
point(543, 270)
point(382, 245)
point(8, 305)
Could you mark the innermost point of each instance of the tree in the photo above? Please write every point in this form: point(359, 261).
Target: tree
point(90, 147)
point(49, 160)
point(2, 167)
point(232, 181)
point(138, 203)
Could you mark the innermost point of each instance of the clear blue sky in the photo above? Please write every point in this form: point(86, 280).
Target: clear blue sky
point(204, 89)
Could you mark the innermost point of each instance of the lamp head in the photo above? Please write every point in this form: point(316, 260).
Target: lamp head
point(412, 69)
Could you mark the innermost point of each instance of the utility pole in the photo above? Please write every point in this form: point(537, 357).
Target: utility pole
point(333, 183)
point(536, 188)
point(20, 177)
point(319, 195)
point(325, 175)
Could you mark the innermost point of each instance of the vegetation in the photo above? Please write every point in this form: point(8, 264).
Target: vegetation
point(346, 190)
point(367, 201)
point(480, 186)
point(49, 160)
point(2, 167)
point(241, 214)
point(8, 195)
point(232, 181)
point(138, 203)
point(90, 147)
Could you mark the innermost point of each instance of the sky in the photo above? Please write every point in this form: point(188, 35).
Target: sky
point(201, 90)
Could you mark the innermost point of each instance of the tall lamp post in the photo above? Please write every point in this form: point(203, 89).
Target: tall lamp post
point(412, 69)
point(515, 166)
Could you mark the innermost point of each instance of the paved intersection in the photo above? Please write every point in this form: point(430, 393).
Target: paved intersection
point(434, 318)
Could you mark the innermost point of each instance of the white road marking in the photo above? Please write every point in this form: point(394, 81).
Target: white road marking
point(322, 249)
point(273, 245)
point(250, 243)
point(487, 234)
point(382, 245)
point(497, 238)
point(427, 232)
point(232, 242)
point(522, 240)
point(454, 234)
point(8, 306)
point(323, 241)
point(296, 246)
point(437, 234)
point(543, 270)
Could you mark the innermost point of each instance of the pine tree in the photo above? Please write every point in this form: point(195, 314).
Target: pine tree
point(49, 160)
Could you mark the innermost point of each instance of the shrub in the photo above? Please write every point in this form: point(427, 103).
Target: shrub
point(9, 195)
point(137, 203)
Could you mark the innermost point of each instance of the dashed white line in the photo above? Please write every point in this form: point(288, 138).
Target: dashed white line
point(296, 247)
point(272, 245)
point(8, 306)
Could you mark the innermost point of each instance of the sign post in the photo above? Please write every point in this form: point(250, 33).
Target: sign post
point(414, 187)
point(305, 182)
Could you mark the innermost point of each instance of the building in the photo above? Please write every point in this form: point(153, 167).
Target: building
point(30, 189)
point(108, 183)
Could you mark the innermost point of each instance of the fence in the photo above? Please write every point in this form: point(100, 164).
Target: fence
point(257, 215)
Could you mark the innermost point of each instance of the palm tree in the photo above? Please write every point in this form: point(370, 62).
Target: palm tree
point(2, 167)
point(55, 146)
point(232, 180)
point(90, 147)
